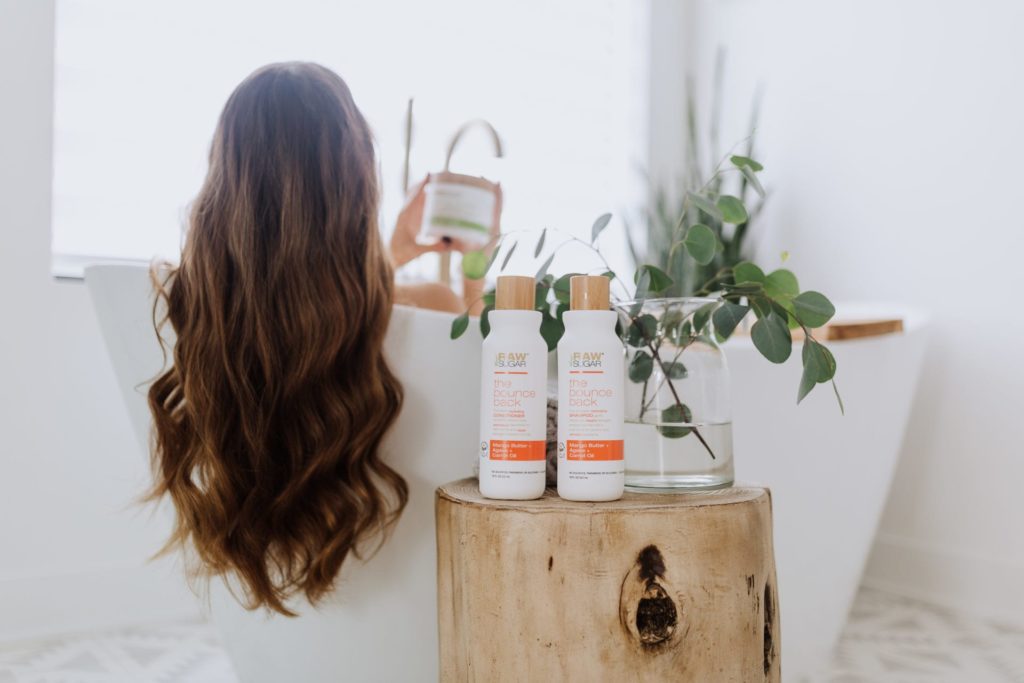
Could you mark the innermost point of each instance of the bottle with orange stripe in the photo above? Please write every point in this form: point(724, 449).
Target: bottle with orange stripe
point(590, 395)
point(513, 400)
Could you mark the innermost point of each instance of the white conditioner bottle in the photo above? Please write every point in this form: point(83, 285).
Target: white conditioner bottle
point(513, 396)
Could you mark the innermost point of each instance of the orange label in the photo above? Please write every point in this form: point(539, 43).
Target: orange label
point(518, 450)
point(594, 450)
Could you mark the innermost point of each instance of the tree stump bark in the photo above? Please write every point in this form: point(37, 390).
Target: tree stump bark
point(653, 587)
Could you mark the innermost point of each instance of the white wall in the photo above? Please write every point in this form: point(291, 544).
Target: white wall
point(892, 144)
point(73, 547)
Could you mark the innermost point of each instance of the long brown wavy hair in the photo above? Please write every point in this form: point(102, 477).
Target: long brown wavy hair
point(268, 424)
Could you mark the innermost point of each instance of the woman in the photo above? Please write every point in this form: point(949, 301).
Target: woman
point(268, 425)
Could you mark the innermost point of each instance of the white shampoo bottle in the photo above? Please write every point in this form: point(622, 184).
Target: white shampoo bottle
point(591, 383)
point(513, 396)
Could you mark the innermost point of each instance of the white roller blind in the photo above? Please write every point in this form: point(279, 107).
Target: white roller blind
point(139, 87)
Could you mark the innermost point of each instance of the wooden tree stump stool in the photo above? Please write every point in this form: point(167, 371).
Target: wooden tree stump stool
point(653, 587)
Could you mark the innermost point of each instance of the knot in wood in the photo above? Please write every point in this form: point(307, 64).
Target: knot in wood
point(656, 615)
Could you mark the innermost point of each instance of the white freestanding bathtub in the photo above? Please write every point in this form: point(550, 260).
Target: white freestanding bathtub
point(381, 622)
point(829, 474)
point(829, 477)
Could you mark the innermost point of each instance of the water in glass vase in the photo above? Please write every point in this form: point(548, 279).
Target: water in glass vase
point(672, 455)
point(678, 432)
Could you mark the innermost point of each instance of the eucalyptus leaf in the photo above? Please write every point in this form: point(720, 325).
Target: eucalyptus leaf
point(732, 209)
point(753, 180)
point(704, 204)
point(745, 271)
point(735, 293)
point(552, 329)
point(474, 264)
point(544, 268)
point(762, 305)
point(781, 283)
point(562, 287)
point(819, 360)
point(657, 279)
point(745, 162)
point(508, 256)
point(701, 243)
point(679, 332)
point(671, 319)
point(726, 317)
point(675, 370)
point(459, 325)
point(701, 317)
point(685, 332)
point(641, 367)
point(599, 225)
point(540, 294)
point(819, 367)
point(540, 243)
point(771, 336)
point(485, 321)
point(641, 292)
point(561, 307)
point(784, 305)
point(493, 256)
point(813, 308)
point(642, 330)
point(677, 412)
point(807, 383)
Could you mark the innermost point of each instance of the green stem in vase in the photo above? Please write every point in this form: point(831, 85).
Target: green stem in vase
point(675, 395)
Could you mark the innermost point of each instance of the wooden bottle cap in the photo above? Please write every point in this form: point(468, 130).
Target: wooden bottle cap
point(515, 293)
point(589, 293)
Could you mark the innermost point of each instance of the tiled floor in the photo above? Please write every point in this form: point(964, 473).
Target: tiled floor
point(188, 652)
point(888, 639)
point(894, 639)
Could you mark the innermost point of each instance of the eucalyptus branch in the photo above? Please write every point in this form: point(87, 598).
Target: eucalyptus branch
point(675, 395)
point(775, 297)
point(597, 251)
point(664, 378)
point(668, 380)
point(589, 246)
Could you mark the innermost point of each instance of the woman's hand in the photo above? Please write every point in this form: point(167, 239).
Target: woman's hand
point(404, 247)
point(404, 244)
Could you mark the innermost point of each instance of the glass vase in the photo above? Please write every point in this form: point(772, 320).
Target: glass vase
point(678, 432)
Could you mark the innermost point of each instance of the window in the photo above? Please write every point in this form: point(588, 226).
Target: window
point(139, 87)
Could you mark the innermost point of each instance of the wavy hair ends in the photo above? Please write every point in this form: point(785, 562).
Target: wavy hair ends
point(269, 421)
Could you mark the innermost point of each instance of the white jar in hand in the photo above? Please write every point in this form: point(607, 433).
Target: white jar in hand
point(459, 207)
